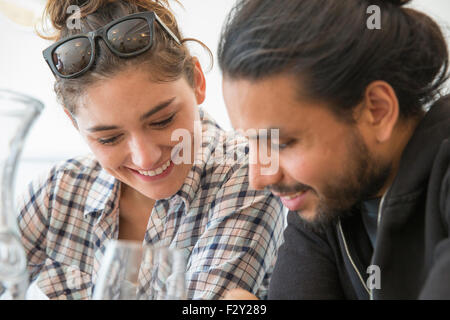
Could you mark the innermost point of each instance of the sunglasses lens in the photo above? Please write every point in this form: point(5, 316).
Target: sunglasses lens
point(129, 36)
point(72, 56)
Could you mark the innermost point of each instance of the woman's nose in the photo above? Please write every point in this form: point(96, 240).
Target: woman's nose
point(145, 153)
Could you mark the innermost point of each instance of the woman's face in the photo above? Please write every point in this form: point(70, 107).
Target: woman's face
point(128, 121)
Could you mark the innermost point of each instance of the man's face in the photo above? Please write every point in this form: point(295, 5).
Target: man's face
point(325, 166)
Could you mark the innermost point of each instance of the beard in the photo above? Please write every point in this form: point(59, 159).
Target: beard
point(362, 178)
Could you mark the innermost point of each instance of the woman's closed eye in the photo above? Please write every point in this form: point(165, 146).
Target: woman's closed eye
point(109, 141)
point(163, 123)
point(113, 140)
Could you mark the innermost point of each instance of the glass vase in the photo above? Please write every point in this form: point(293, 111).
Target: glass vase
point(17, 114)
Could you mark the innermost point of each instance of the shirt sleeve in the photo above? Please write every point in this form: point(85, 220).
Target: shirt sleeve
point(239, 245)
point(33, 207)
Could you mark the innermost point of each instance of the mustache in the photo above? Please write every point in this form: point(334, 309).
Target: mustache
point(279, 188)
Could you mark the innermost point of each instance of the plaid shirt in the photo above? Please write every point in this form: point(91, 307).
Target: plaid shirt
point(230, 233)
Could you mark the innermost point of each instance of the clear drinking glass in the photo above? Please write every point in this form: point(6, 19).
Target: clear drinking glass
point(132, 271)
point(17, 114)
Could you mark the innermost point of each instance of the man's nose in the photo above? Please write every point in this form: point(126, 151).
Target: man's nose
point(144, 152)
point(258, 177)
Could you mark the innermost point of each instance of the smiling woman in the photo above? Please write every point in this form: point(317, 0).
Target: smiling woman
point(126, 96)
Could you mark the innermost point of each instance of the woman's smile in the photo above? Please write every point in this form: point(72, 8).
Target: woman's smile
point(156, 174)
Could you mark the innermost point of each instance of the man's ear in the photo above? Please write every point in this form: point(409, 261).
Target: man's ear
point(71, 117)
point(381, 109)
point(199, 82)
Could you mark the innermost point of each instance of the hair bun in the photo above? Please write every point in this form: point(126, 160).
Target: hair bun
point(58, 13)
point(398, 3)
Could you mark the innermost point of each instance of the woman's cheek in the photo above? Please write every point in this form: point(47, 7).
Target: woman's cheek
point(108, 156)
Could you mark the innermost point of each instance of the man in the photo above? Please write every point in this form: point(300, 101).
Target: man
point(363, 168)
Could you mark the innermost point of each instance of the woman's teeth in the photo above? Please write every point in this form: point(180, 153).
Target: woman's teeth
point(156, 172)
point(295, 195)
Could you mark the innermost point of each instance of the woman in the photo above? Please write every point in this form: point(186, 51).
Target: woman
point(128, 84)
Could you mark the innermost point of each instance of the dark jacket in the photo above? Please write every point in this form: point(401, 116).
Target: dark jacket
point(412, 248)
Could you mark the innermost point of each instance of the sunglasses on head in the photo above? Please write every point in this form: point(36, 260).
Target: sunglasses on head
point(126, 37)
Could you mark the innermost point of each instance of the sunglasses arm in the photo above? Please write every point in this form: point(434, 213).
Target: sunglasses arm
point(162, 24)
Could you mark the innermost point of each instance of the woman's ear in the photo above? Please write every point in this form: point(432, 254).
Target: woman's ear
point(200, 82)
point(71, 117)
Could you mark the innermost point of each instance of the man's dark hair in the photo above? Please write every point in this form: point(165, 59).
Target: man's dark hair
point(328, 47)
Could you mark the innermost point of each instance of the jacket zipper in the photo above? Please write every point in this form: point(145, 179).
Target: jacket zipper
point(351, 260)
point(379, 209)
point(378, 226)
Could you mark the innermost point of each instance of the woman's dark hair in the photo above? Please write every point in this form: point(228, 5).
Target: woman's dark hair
point(328, 47)
point(165, 61)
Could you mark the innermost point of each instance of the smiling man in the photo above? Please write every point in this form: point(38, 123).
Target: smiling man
point(364, 146)
point(326, 165)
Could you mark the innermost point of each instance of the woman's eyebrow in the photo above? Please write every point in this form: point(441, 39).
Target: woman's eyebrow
point(146, 115)
point(102, 128)
point(156, 109)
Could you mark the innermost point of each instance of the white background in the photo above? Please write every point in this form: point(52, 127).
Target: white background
point(53, 138)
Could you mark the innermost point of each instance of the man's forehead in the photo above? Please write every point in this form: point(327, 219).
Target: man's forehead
point(269, 104)
point(272, 97)
point(271, 85)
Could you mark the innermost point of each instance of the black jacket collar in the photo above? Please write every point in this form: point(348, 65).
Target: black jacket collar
point(400, 251)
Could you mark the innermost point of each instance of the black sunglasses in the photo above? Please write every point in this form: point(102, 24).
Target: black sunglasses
point(126, 37)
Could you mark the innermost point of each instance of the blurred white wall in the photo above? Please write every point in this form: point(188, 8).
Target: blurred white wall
point(53, 138)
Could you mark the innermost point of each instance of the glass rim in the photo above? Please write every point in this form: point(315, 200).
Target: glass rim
point(134, 244)
point(6, 94)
